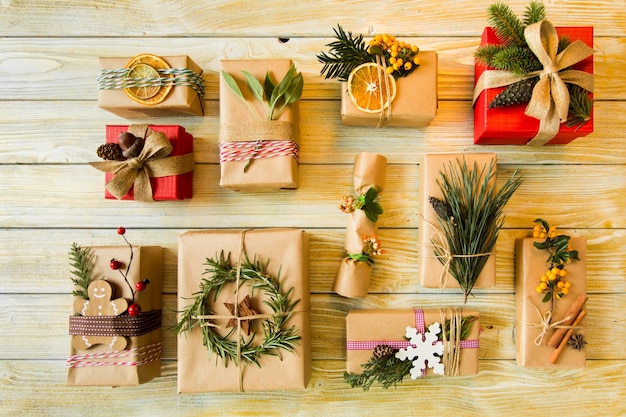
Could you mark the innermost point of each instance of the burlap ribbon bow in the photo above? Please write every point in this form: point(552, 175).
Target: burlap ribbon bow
point(550, 97)
point(153, 161)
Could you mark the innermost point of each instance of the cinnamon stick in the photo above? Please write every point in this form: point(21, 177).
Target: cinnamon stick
point(572, 313)
point(555, 355)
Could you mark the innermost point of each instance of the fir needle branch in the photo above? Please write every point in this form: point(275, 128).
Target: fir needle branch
point(508, 28)
point(81, 261)
point(345, 54)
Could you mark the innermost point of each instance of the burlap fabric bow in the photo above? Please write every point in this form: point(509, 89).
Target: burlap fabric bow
point(153, 161)
point(550, 98)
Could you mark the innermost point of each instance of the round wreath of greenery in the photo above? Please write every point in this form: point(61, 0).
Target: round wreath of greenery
point(275, 336)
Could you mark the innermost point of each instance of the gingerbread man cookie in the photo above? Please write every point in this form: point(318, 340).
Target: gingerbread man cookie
point(100, 304)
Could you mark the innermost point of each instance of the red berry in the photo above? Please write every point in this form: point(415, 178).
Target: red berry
point(115, 264)
point(141, 285)
point(121, 230)
point(134, 309)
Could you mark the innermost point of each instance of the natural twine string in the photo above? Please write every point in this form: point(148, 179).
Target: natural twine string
point(444, 247)
point(385, 113)
point(545, 325)
point(451, 352)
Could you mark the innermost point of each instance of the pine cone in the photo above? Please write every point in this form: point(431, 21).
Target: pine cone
point(110, 152)
point(442, 208)
point(383, 351)
point(516, 93)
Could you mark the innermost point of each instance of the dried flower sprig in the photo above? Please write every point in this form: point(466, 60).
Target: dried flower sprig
point(371, 247)
point(366, 202)
point(470, 217)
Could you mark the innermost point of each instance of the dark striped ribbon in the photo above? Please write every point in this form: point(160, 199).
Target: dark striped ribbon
point(128, 326)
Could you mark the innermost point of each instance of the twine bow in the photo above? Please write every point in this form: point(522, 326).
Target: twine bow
point(550, 97)
point(545, 325)
point(153, 161)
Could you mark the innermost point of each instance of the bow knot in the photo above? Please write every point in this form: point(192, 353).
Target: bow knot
point(135, 163)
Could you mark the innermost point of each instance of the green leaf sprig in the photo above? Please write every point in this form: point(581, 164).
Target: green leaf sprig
point(275, 97)
point(366, 202)
point(557, 246)
point(81, 261)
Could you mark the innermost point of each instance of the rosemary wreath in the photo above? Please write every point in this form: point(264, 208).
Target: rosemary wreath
point(276, 335)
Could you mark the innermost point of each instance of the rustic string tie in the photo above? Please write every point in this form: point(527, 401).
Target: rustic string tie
point(452, 345)
point(442, 251)
point(550, 97)
point(545, 323)
point(153, 161)
point(385, 113)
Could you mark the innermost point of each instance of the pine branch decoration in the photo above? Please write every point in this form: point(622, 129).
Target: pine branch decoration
point(81, 260)
point(346, 53)
point(535, 12)
point(508, 28)
point(580, 106)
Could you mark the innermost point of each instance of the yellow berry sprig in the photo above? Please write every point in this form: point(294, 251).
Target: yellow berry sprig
point(401, 57)
point(560, 252)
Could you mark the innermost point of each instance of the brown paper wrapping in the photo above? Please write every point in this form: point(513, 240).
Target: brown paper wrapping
point(181, 100)
point(530, 266)
point(390, 325)
point(265, 173)
point(430, 268)
point(415, 104)
point(352, 279)
point(147, 263)
point(202, 371)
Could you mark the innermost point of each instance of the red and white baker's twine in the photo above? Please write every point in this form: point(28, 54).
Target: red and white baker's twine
point(244, 151)
point(151, 352)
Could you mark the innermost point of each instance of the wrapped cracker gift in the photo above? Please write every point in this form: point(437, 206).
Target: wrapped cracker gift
point(116, 327)
point(415, 103)
point(546, 101)
point(410, 342)
point(150, 85)
point(147, 162)
point(243, 310)
point(549, 323)
point(258, 140)
point(361, 243)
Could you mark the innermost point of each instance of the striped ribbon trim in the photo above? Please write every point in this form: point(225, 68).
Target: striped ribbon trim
point(128, 326)
point(149, 353)
point(244, 151)
point(112, 79)
point(420, 326)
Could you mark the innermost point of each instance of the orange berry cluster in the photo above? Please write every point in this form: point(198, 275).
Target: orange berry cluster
point(372, 246)
point(553, 281)
point(401, 57)
point(540, 232)
point(347, 205)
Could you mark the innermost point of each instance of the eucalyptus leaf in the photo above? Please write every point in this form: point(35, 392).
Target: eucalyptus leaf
point(254, 85)
point(294, 92)
point(268, 85)
point(230, 81)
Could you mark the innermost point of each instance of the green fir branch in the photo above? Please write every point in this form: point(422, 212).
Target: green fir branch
point(535, 12)
point(345, 54)
point(580, 105)
point(507, 26)
point(81, 261)
point(477, 216)
point(516, 59)
point(485, 53)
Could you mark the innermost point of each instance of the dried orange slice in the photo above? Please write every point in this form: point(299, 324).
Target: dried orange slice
point(370, 87)
point(147, 66)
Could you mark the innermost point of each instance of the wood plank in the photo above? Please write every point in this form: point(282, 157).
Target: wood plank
point(62, 138)
point(229, 18)
point(394, 273)
point(44, 318)
point(597, 192)
point(37, 388)
point(66, 69)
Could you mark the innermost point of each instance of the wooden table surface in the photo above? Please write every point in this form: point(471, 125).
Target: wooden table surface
point(50, 126)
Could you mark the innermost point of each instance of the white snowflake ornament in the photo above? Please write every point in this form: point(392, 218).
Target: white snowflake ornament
point(423, 348)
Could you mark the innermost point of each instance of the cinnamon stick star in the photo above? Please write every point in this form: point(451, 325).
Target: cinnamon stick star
point(243, 309)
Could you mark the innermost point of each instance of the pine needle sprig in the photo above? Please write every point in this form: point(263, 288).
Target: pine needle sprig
point(477, 213)
point(81, 260)
point(516, 59)
point(535, 12)
point(276, 336)
point(508, 27)
point(580, 106)
point(346, 53)
point(485, 53)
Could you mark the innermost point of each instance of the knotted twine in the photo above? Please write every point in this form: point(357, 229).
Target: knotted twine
point(550, 97)
point(153, 161)
point(544, 323)
point(235, 316)
point(385, 113)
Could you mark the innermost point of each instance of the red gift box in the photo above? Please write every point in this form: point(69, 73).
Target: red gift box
point(509, 125)
point(174, 187)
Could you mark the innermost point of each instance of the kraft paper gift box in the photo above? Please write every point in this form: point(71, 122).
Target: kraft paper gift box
point(430, 267)
point(181, 100)
point(415, 104)
point(200, 370)
point(169, 187)
point(353, 277)
point(532, 350)
point(509, 125)
point(366, 329)
point(242, 133)
point(140, 360)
